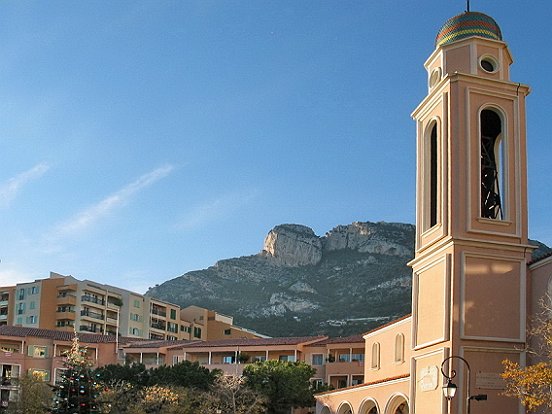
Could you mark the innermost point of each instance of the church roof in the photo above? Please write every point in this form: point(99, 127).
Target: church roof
point(466, 25)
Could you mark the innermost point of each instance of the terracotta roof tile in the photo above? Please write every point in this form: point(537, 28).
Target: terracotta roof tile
point(23, 332)
point(340, 340)
point(160, 344)
point(290, 340)
point(539, 258)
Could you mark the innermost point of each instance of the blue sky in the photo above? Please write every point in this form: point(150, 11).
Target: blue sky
point(140, 140)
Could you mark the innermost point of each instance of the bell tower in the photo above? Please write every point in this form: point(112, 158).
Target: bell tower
point(469, 269)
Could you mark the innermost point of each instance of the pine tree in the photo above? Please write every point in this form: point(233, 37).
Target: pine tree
point(76, 392)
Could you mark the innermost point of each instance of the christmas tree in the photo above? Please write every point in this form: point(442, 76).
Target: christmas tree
point(76, 392)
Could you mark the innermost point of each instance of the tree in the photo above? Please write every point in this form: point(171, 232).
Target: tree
point(231, 395)
point(285, 384)
point(533, 384)
point(34, 396)
point(77, 390)
point(134, 374)
point(184, 374)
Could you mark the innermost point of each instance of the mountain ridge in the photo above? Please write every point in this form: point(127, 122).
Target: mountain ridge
point(350, 280)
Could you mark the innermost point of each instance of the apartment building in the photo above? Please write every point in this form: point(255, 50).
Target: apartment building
point(41, 351)
point(337, 361)
point(67, 304)
point(6, 303)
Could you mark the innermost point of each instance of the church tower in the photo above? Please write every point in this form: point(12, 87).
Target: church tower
point(469, 269)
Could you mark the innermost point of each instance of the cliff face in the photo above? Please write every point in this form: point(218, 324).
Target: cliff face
point(293, 245)
point(347, 281)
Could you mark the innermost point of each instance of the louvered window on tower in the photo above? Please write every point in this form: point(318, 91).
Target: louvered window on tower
point(491, 171)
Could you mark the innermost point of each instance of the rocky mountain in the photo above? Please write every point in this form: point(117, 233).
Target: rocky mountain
point(350, 280)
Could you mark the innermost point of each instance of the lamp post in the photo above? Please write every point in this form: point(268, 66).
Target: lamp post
point(450, 388)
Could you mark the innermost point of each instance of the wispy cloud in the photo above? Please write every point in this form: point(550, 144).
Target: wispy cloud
point(83, 220)
point(12, 187)
point(215, 209)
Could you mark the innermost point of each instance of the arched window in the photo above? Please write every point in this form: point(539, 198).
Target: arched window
point(345, 408)
point(399, 347)
point(375, 356)
point(433, 165)
point(369, 406)
point(492, 165)
point(430, 178)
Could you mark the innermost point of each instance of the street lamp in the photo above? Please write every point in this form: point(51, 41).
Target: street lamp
point(450, 388)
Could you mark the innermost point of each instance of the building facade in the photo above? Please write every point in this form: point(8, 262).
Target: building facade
point(67, 304)
point(338, 361)
point(474, 287)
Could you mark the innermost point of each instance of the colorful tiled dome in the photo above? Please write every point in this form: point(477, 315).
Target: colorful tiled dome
point(466, 25)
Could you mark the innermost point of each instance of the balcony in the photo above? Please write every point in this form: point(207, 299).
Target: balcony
point(161, 325)
point(114, 302)
point(92, 314)
point(65, 315)
point(89, 328)
point(159, 312)
point(66, 299)
point(92, 299)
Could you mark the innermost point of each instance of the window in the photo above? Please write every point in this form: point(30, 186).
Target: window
point(40, 374)
point(399, 348)
point(317, 359)
point(20, 308)
point(357, 357)
point(343, 357)
point(289, 358)
point(197, 332)
point(135, 317)
point(259, 358)
point(492, 173)
point(135, 331)
point(136, 303)
point(357, 379)
point(9, 371)
point(173, 313)
point(33, 290)
point(32, 305)
point(32, 319)
point(172, 327)
point(228, 359)
point(317, 383)
point(37, 351)
point(430, 187)
point(21, 295)
point(433, 177)
point(375, 364)
point(227, 331)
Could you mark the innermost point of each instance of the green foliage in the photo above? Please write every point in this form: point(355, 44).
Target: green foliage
point(185, 374)
point(285, 384)
point(34, 396)
point(134, 374)
point(133, 389)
